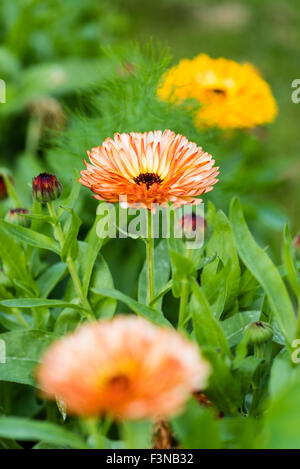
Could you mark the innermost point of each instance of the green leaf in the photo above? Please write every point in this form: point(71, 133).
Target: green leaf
point(13, 257)
point(68, 320)
point(23, 350)
point(137, 435)
point(70, 201)
point(282, 373)
point(39, 303)
point(289, 263)
point(224, 389)
point(140, 309)
point(282, 419)
point(197, 428)
point(103, 307)
point(240, 432)
point(182, 266)
point(50, 278)
point(264, 271)
point(234, 327)
point(222, 243)
point(28, 430)
point(38, 217)
point(88, 259)
point(207, 329)
point(9, 444)
point(31, 237)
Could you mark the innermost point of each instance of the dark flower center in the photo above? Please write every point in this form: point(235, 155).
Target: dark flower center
point(148, 179)
point(120, 382)
point(259, 324)
point(219, 91)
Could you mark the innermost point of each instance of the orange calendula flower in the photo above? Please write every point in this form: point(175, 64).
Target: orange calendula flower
point(231, 95)
point(149, 168)
point(125, 367)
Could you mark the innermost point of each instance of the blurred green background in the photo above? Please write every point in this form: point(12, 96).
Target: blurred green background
point(60, 64)
point(265, 32)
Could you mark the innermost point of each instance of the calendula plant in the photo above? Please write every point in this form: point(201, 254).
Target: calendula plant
point(228, 378)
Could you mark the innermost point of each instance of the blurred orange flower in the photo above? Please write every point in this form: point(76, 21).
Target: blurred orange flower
point(149, 168)
point(125, 367)
point(231, 95)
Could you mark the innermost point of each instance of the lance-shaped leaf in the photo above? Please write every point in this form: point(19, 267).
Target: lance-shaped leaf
point(22, 351)
point(140, 309)
point(31, 237)
point(261, 266)
point(24, 429)
point(207, 329)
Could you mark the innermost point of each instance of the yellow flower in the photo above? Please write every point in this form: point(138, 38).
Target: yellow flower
point(231, 95)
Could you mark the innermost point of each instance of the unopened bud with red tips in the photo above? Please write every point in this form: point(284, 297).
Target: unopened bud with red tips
point(46, 187)
point(15, 215)
point(258, 333)
point(191, 224)
point(3, 187)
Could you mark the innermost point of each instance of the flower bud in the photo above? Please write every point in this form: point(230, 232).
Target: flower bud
point(258, 333)
point(192, 225)
point(297, 246)
point(15, 216)
point(3, 187)
point(46, 187)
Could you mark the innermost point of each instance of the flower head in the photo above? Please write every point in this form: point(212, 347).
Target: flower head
point(15, 215)
point(231, 95)
point(126, 367)
point(46, 187)
point(150, 168)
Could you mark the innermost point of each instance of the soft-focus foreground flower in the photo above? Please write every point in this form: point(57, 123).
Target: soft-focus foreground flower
point(231, 95)
point(126, 367)
point(149, 168)
point(46, 187)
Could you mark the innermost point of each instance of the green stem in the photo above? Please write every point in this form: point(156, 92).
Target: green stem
point(183, 303)
point(150, 261)
point(184, 298)
point(259, 354)
point(70, 264)
point(92, 427)
point(258, 351)
point(20, 317)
